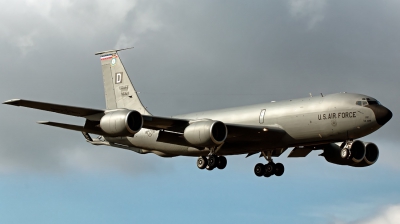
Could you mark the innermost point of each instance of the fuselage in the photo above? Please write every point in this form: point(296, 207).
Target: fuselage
point(306, 121)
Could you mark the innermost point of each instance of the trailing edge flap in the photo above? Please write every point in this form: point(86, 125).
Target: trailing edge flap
point(57, 108)
point(300, 152)
point(237, 132)
point(85, 128)
point(164, 123)
point(172, 138)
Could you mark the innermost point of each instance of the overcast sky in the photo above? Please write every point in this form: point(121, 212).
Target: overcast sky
point(192, 56)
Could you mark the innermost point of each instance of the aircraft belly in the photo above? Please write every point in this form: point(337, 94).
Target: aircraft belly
point(146, 139)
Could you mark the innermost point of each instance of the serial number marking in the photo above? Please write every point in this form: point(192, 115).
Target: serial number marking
point(124, 93)
point(336, 115)
point(124, 87)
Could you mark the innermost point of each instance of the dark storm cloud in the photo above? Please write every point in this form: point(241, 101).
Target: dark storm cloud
point(187, 57)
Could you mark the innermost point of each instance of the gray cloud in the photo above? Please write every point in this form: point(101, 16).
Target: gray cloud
point(187, 57)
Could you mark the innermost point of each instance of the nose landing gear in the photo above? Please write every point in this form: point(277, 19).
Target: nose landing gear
point(270, 168)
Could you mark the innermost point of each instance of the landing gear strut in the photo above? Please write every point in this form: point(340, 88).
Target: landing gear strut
point(270, 168)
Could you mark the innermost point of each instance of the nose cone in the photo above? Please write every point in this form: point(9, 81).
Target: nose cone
point(382, 114)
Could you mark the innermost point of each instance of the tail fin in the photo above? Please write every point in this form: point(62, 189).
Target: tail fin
point(118, 88)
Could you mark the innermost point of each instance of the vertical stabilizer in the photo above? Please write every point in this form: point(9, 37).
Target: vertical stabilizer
point(118, 88)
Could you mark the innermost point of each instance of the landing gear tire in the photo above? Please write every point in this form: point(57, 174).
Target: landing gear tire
point(269, 169)
point(266, 174)
point(209, 168)
point(279, 169)
point(221, 164)
point(259, 169)
point(202, 162)
point(344, 153)
point(212, 161)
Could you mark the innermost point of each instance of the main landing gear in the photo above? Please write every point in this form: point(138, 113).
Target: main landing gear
point(212, 161)
point(270, 168)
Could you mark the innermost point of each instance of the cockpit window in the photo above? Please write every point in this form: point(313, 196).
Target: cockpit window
point(367, 101)
point(373, 102)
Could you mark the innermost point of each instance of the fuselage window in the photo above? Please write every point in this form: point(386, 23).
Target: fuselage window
point(262, 116)
point(359, 103)
point(364, 103)
point(372, 102)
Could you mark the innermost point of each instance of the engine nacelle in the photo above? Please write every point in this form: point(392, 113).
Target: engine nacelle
point(371, 155)
point(361, 154)
point(121, 123)
point(206, 133)
point(332, 154)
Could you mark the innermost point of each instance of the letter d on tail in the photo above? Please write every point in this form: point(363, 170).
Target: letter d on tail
point(118, 77)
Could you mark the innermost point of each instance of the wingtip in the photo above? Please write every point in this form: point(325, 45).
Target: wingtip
point(12, 102)
point(42, 122)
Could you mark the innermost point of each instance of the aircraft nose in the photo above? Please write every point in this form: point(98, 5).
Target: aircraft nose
point(382, 114)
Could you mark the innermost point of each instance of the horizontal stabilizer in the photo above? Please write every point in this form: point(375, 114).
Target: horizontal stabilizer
point(56, 108)
point(112, 51)
point(300, 152)
point(73, 127)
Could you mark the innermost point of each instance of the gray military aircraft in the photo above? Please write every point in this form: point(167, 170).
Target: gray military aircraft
point(331, 123)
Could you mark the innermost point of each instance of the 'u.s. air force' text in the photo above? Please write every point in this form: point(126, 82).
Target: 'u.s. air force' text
point(337, 115)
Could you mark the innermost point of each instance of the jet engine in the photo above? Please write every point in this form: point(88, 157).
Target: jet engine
point(122, 123)
point(371, 155)
point(357, 153)
point(207, 133)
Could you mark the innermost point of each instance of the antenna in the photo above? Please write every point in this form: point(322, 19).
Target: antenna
point(322, 95)
point(310, 95)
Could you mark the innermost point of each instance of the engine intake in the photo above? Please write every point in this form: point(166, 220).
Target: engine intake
point(122, 123)
point(206, 133)
point(371, 155)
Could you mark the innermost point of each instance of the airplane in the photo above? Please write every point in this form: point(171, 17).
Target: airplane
point(332, 123)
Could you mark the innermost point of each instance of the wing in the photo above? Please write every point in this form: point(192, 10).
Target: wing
point(56, 108)
point(236, 133)
point(171, 128)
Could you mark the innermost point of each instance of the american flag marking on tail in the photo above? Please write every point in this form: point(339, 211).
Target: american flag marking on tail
point(108, 56)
